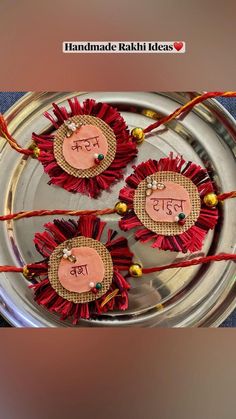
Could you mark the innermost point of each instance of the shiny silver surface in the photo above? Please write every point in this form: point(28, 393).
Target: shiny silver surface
point(194, 296)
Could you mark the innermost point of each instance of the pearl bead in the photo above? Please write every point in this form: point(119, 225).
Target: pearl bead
point(176, 218)
point(160, 186)
point(154, 187)
point(148, 179)
point(91, 284)
point(149, 186)
point(95, 155)
point(154, 182)
point(148, 192)
point(65, 256)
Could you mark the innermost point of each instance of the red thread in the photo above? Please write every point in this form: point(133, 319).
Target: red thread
point(198, 261)
point(40, 213)
point(120, 280)
point(8, 268)
point(4, 131)
point(226, 195)
point(187, 107)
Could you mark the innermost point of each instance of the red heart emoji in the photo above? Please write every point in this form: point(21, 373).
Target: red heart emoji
point(178, 45)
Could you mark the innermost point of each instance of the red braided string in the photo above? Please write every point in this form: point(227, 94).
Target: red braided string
point(198, 261)
point(187, 107)
point(226, 195)
point(39, 213)
point(6, 134)
point(8, 268)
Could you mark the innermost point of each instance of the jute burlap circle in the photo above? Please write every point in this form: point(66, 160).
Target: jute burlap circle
point(97, 169)
point(54, 262)
point(167, 228)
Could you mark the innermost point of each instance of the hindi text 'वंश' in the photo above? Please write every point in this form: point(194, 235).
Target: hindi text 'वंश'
point(119, 47)
point(79, 270)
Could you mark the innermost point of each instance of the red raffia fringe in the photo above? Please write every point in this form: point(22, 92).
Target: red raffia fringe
point(187, 107)
point(226, 195)
point(41, 213)
point(198, 261)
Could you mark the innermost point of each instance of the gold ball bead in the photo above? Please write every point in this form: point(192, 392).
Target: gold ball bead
point(138, 134)
point(36, 151)
point(136, 270)
point(121, 208)
point(25, 271)
point(210, 199)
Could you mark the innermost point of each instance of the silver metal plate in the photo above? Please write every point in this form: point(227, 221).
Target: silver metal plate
point(194, 296)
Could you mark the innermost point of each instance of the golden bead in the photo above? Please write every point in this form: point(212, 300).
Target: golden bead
point(138, 134)
point(210, 199)
point(25, 271)
point(36, 151)
point(121, 208)
point(136, 270)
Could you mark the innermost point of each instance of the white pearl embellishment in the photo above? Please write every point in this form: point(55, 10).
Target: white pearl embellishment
point(153, 185)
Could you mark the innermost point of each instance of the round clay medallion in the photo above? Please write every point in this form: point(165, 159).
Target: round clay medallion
point(157, 209)
point(80, 150)
point(89, 262)
point(76, 150)
point(88, 268)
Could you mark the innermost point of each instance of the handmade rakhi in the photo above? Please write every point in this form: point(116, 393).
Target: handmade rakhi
point(87, 151)
point(170, 202)
point(89, 145)
point(81, 275)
